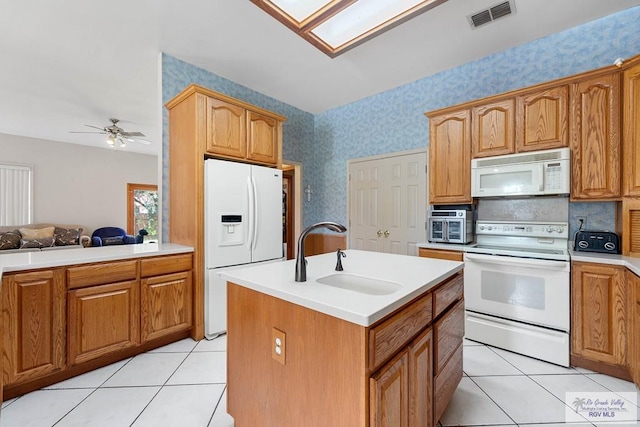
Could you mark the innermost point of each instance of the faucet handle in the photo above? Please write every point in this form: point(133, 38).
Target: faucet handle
point(340, 255)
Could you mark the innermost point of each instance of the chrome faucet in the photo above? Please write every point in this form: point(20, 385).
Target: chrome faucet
point(301, 263)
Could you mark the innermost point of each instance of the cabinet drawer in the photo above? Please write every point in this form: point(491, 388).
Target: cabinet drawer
point(440, 254)
point(165, 265)
point(98, 274)
point(447, 294)
point(446, 382)
point(449, 332)
point(394, 333)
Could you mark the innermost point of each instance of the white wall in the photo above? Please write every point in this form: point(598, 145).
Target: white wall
point(76, 184)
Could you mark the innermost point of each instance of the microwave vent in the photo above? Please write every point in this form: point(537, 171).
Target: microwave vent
point(486, 16)
point(541, 156)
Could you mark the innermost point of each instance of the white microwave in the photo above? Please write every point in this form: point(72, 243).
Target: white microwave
point(537, 173)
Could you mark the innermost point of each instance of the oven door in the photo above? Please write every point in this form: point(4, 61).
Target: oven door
point(533, 291)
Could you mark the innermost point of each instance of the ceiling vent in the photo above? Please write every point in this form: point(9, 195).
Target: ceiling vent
point(497, 11)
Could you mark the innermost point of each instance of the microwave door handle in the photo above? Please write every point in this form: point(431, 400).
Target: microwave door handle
point(445, 230)
point(540, 170)
point(528, 263)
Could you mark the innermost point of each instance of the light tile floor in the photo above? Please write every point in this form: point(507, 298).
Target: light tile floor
point(183, 384)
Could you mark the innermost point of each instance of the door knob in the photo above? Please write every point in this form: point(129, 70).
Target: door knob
point(379, 233)
point(386, 233)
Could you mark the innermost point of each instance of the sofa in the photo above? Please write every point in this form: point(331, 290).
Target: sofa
point(42, 237)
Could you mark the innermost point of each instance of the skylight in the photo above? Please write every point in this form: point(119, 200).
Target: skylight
point(335, 26)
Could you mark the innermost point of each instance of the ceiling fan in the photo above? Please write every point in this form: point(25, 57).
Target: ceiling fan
point(115, 134)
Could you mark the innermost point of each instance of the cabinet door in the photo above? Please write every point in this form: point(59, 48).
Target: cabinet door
point(450, 158)
point(598, 327)
point(595, 138)
point(165, 305)
point(262, 141)
point(421, 381)
point(631, 120)
point(493, 131)
point(542, 119)
point(34, 324)
point(226, 129)
point(102, 319)
point(389, 394)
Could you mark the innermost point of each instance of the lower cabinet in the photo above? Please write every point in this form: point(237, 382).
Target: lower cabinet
point(599, 318)
point(102, 319)
point(56, 320)
point(33, 320)
point(633, 285)
point(402, 390)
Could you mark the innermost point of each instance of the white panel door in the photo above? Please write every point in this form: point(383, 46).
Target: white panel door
point(388, 203)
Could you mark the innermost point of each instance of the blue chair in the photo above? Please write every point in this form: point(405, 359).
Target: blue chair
point(107, 236)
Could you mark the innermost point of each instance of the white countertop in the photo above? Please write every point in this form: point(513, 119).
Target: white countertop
point(415, 274)
point(20, 261)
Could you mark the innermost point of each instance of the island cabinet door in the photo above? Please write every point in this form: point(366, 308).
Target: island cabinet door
point(33, 324)
point(389, 393)
point(421, 380)
point(102, 319)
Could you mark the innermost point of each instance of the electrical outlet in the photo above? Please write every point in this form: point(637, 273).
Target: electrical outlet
point(278, 345)
point(582, 222)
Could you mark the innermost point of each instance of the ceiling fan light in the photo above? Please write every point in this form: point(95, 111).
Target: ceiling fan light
point(111, 140)
point(122, 142)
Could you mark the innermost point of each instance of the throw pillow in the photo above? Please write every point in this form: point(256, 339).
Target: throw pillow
point(10, 239)
point(36, 233)
point(43, 242)
point(67, 236)
point(106, 241)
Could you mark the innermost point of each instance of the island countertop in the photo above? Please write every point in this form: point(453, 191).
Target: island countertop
point(22, 261)
point(416, 275)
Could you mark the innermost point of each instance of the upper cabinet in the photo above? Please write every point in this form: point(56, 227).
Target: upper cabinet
point(542, 119)
point(595, 137)
point(631, 136)
point(241, 133)
point(493, 128)
point(450, 158)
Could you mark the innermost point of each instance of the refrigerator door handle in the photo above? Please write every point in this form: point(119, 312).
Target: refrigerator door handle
point(255, 212)
point(252, 219)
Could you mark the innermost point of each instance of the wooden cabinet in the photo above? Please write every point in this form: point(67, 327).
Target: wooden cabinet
point(234, 131)
point(389, 393)
point(62, 322)
point(165, 296)
point(542, 119)
point(102, 319)
point(204, 123)
point(595, 137)
point(633, 288)
point(440, 254)
point(402, 390)
point(450, 158)
point(226, 129)
point(631, 135)
point(34, 325)
point(493, 128)
point(599, 318)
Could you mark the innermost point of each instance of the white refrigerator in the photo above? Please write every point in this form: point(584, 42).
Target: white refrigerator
point(243, 225)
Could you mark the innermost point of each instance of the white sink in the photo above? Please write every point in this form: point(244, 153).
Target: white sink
point(361, 284)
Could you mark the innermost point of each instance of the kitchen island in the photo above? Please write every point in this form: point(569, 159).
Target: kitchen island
point(379, 343)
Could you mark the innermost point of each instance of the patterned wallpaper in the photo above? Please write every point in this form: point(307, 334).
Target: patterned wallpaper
point(394, 120)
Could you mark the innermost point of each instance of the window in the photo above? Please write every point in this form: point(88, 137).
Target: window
point(16, 194)
point(142, 210)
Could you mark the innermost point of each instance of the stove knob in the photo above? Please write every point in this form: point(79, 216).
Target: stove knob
point(549, 229)
point(490, 228)
point(481, 227)
point(560, 230)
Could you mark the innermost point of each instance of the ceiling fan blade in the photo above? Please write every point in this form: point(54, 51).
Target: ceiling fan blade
point(74, 131)
point(140, 141)
point(129, 134)
point(96, 127)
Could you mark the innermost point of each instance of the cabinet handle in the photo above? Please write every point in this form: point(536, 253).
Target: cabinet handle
point(386, 233)
point(379, 233)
